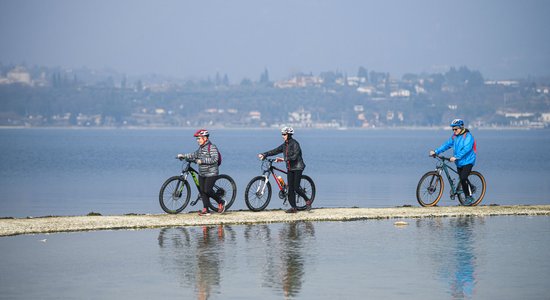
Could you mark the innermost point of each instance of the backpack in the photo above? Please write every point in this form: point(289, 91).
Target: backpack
point(475, 142)
point(219, 155)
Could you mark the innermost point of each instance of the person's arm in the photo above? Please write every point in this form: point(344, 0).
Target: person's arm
point(212, 158)
point(446, 146)
point(274, 151)
point(467, 145)
point(293, 151)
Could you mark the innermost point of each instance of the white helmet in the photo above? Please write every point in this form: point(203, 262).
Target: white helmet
point(287, 130)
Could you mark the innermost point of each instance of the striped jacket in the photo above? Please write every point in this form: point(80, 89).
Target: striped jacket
point(209, 159)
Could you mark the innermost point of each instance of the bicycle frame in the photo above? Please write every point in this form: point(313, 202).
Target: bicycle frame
point(270, 169)
point(185, 171)
point(442, 165)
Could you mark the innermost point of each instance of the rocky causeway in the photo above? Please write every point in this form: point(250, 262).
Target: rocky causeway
point(36, 225)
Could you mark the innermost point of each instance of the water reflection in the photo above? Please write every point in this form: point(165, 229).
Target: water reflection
point(285, 254)
point(452, 255)
point(200, 256)
point(195, 255)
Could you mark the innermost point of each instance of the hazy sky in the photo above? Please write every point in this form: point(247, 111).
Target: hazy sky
point(240, 38)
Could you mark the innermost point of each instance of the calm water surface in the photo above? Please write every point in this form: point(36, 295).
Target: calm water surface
point(74, 172)
point(440, 258)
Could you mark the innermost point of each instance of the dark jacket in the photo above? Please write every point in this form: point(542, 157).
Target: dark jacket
point(209, 159)
point(292, 154)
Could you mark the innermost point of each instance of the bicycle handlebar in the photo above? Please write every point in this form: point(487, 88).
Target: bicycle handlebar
point(441, 157)
point(186, 159)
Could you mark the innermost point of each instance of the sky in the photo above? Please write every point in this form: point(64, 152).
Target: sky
point(503, 39)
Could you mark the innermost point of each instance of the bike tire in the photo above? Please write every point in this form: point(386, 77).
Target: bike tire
point(253, 199)
point(429, 189)
point(478, 186)
point(308, 186)
point(225, 187)
point(174, 195)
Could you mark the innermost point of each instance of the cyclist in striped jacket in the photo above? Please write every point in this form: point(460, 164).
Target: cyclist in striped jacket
point(206, 158)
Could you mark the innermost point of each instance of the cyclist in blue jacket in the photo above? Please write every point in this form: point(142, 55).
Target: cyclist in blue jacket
point(464, 153)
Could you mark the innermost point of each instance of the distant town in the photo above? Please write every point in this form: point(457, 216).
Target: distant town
point(57, 97)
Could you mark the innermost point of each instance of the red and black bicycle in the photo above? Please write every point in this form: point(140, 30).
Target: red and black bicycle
point(258, 191)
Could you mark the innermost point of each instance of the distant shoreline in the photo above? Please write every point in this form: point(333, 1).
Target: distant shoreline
point(265, 128)
point(13, 226)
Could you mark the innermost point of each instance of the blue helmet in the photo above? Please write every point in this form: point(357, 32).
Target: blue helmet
point(457, 122)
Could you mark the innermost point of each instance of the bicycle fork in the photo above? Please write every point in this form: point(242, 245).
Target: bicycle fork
point(261, 188)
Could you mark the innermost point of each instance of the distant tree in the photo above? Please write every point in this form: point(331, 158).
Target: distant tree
point(218, 79)
point(409, 77)
point(363, 73)
point(246, 82)
point(264, 77)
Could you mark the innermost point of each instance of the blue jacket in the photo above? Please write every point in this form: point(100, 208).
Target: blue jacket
point(463, 148)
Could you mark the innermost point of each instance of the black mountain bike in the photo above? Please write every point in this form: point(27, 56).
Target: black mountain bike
point(175, 192)
point(258, 191)
point(430, 187)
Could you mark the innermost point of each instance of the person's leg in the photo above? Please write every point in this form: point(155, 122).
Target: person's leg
point(209, 186)
point(291, 180)
point(463, 173)
point(202, 192)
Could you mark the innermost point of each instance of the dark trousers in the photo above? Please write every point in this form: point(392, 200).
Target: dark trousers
point(463, 173)
point(206, 185)
point(293, 180)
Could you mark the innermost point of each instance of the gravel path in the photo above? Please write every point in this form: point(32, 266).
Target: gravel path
point(11, 226)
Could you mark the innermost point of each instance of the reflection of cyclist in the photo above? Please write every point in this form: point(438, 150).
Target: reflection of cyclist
point(295, 165)
point(207, 159)
point(464, 156)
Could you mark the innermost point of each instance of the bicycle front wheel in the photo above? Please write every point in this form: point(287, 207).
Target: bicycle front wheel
point(257, 193)
point(174, 195)
point(226, 189)
point(477, 189)
point(429, 189)
point(308, 187)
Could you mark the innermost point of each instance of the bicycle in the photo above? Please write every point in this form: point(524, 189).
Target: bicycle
point(430, 187)
point(175, 192)
point(258, 191)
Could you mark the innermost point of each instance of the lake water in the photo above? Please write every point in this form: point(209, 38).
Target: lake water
point(439, 258)
point(74, 172)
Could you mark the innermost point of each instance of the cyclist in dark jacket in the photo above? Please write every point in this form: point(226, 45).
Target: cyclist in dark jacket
point(207, 159)
point(295, 165)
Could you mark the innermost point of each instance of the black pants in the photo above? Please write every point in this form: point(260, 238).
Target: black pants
point(205, 185)
point(293, 180)
point(463, 173)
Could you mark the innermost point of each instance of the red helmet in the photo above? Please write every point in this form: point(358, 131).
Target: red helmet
point(201, 132)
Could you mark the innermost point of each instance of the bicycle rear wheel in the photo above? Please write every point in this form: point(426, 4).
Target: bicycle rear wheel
point(174, 195)
point(226, 189)
point(257, 193)
point(308, 187)
point(477, 189)
point(429, 189)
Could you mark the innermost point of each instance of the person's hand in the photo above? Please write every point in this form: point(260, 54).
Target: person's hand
point(279, 159)
point(261, 156)
point(198, 161)
point(452, 159)
point(432, 153)
point(180, 156)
